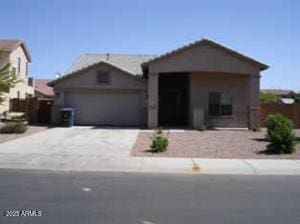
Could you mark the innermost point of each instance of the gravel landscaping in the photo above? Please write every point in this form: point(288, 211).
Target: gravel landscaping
point(31, 129)
point(212, 144)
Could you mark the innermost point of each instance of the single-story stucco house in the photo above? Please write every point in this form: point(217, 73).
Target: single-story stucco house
point(200, 83)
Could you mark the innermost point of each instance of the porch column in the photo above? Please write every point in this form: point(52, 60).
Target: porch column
point(254, 104)
point(153, 100)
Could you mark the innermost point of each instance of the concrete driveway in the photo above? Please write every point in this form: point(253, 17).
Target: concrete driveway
point(76, 148)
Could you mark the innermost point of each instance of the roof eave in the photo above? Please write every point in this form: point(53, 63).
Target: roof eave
point(26, 51)
point(261, 66)
point(54, 82)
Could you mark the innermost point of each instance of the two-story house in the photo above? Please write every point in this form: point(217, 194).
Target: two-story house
point(16, 54)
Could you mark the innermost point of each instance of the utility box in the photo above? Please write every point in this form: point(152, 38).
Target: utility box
point(67, 116)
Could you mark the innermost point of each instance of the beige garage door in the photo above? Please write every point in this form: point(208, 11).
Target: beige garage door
point(107, 108)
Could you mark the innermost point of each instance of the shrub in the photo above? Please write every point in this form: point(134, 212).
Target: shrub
point(201, 127)
point(11, 128)
point(280, 134)
point(159, 142)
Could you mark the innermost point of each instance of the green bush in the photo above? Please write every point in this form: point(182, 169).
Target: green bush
point(201, 127)
point(159, 142)
point(280, 134)
point(11, 128)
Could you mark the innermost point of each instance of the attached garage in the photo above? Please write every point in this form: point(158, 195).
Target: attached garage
point(103, 92)
point(107, 108)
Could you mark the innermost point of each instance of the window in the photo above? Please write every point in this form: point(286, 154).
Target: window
point(220, 104)
point(30, 81)
point(18, 94)
point(26, 68)
point(214, 103)
point(19, 65)
point(103, 77)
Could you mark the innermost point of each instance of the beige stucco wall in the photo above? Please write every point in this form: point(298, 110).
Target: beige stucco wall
point(124, 91)
point(233, 75)
point(21, 87)
point(88, 80)
point(203, 58)
point(236, 85)
point(4, 60)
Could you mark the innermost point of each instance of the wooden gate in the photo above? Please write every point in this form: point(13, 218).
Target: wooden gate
point(44, 111)
point(36, 110)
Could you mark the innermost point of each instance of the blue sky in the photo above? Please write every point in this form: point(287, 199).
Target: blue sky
point(58, 31)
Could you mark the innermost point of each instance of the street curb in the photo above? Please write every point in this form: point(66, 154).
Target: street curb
point(126, 164)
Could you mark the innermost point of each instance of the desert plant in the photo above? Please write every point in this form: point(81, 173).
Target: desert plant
point(280, 134)
point(201, 127)
point(11, 128)
point(159, 142)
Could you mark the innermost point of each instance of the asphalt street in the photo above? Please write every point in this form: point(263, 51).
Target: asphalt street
point(102, 197)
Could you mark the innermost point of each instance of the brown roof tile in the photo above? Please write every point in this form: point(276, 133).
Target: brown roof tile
point(42, 87)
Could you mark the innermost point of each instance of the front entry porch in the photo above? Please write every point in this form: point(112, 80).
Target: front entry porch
point(190, 99)
point(223, 87)
point(173, 100)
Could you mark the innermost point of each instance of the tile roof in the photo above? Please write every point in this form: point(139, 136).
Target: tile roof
point(11, 44)
point(125, 62)
point(40, 86)
point(134, 64)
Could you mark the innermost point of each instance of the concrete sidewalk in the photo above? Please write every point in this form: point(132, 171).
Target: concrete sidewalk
point(153, 165)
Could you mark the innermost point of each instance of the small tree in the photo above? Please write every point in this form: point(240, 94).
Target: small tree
point(8, 79)
point(280, 134)
point(268, 97)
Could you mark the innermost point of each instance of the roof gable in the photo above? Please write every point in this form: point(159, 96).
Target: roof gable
point(40, 86)
point(87, 79)
point(125, 62)
point(10, 45)
point(106, 63)
point(129, 64)
point(209, 43)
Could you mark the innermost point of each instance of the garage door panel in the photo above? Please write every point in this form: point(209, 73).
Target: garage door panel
point(107, 108)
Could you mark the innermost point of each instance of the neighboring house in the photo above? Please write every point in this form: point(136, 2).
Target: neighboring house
point(17, 55)
point(285, 96)
point(42, 90)
point(202, 82)
point(281, 93)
